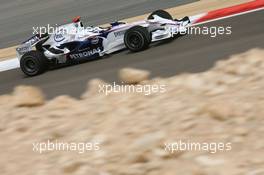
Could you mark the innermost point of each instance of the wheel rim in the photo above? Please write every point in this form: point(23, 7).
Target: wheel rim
point(30, 65)
point(135, 41)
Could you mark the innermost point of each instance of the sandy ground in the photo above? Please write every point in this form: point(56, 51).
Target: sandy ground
point(222, 106)
point(8, 53)
point(181, 11)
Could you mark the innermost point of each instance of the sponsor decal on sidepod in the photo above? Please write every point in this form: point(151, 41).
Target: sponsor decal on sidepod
point(86, 54)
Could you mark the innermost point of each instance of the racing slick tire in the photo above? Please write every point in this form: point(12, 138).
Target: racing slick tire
point(137, 38)
point(33, 63)
point(161, 13)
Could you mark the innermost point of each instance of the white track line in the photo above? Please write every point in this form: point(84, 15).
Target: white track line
point(196, 17)
point(9, 64)
point(14, 63)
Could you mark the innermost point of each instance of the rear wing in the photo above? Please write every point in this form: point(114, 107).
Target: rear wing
point(27, 45)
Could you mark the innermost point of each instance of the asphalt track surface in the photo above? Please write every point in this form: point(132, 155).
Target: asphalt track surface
point(191, 53)
point(18, 17)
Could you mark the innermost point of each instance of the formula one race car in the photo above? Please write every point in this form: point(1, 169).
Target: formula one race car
point(73, 42)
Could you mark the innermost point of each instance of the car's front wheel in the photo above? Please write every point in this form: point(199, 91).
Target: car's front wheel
point(137, 38)
point(33, 63)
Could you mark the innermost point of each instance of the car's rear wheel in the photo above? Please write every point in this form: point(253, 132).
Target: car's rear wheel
point(161, 13)
point(33, 63)
point(137, 38)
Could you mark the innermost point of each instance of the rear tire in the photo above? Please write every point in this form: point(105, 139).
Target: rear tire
point(137, 38)
point(33, 63)
point(161, 13)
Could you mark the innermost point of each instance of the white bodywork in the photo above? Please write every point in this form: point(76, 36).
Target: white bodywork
point(159, 28)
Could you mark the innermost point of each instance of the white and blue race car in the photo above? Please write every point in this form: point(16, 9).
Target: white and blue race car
point(73, 42)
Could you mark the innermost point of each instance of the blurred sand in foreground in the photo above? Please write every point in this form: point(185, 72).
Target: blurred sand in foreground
point(224, 104)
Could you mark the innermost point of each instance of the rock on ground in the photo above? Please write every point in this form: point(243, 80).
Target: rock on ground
point(222, 105)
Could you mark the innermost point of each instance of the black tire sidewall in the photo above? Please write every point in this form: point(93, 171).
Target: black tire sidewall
point(25, 69)
point(138, 34)
point(39, 61)
point(142, 33)
point(162, 14)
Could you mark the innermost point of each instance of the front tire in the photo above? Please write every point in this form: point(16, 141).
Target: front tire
point(33, 63)
point(137, 38)
point(161, 13)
